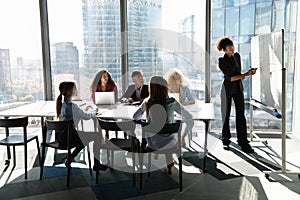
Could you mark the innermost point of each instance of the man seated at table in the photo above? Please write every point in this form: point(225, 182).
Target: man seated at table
point(136, 92)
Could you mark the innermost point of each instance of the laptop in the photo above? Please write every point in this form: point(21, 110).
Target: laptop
point(105, 98)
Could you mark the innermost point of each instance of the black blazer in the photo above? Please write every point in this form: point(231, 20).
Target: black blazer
point(231, 66)
point(130, 92)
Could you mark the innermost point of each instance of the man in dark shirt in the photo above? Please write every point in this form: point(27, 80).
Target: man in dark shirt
point(136, 92)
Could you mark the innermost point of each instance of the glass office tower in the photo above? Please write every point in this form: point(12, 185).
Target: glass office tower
point(243, 19)
point(5, 73)
point(64, 64)
point(102, 36)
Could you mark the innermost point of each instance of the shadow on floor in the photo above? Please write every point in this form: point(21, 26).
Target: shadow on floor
point(211, 165)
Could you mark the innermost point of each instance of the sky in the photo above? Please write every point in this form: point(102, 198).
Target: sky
point(20, 24)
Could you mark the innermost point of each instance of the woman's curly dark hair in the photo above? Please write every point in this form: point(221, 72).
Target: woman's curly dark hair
point(223, 42)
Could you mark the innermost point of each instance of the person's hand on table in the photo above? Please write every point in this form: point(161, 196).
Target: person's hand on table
point(185, 103)
point(92, 108)
point(130, 100)
point(88, 107)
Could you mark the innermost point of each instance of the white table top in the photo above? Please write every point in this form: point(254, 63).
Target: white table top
point(36, 109)
point(200, 110)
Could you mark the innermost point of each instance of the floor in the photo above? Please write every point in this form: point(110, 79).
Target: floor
point(231, 174)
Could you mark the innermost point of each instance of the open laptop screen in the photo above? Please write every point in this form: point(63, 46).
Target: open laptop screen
point(105, 98)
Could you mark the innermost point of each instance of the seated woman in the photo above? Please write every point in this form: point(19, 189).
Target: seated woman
point(159, 98)
point(102, 82)
point(67, 110)
point(176, 85)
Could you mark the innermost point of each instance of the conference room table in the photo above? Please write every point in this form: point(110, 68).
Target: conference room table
point(201, 111)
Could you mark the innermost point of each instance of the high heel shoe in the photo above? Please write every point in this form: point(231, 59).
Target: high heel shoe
point(69, 161)
point(169, 166)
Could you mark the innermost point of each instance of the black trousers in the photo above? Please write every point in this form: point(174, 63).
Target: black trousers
point(75, 141)
point(240, 120)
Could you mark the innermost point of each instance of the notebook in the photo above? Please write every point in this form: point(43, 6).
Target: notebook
point(105, 98)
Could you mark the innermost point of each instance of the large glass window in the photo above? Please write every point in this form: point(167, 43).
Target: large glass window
point(232, 21)
point(164, 35)
point(254, 18)
point(247, 19)
point(218, 22)
point(218, 3)
point(20, 53)
point(84, 39)
point(230, 3)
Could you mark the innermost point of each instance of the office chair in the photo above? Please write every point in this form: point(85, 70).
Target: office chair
point(61, 127)
point(130, 144)
point(18, 139)
point(167, 129)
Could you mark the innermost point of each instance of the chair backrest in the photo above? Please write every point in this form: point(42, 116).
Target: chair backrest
point(166, 129)
point(59, 125)
point(14, 122)
point(62, 129)
point(114, 125)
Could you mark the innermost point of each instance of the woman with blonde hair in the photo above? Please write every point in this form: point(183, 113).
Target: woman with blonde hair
point(176, 84)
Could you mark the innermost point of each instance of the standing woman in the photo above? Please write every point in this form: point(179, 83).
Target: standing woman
point(232, 88)
point(102, 82)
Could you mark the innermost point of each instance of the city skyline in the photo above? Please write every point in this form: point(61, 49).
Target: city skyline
point(67, 26)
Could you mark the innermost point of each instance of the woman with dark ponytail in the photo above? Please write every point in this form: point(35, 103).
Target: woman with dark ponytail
point(67, 110)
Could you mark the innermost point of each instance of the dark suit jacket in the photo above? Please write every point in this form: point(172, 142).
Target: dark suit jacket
point(131, 92)
point(231, 66)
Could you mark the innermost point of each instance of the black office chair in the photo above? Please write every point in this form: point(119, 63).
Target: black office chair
point(61, 127)
point(130, 144)
point(167, 129)
point(18, 139)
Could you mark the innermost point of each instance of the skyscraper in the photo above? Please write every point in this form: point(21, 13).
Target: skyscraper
point(5, 73)
point(64, 63)
point(102, 36)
